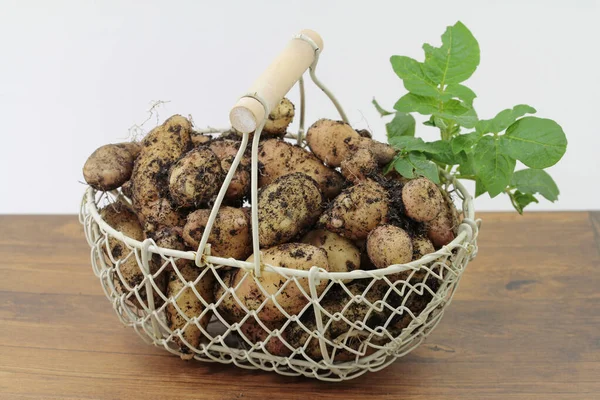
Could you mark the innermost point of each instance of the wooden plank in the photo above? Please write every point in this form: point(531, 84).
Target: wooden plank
point(525, 323)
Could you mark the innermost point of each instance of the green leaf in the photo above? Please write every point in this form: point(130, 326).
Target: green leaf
point(403, 124)
point(492, 166)
point(536, 142)
point(408, 143)
point(521, 200)
point(465, 142)
point(467, 166)
point(441, 151)
point(459, 112)
point(479, 188)
point(416, 164)
point(380, 109)
point(457, 58)
point(413, 77)
point(459, 91)
point(503, 119)
point(414, 103)
point(532, 181)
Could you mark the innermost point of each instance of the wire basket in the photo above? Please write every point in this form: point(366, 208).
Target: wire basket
point(351, 323)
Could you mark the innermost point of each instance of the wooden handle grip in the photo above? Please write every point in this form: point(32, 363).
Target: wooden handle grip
point(275, 82)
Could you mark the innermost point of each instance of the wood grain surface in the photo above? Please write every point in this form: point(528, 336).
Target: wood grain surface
point(525, 324)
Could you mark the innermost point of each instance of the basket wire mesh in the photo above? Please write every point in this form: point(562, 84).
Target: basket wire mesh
point(353, 322)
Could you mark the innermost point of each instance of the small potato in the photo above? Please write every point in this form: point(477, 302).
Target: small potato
point(279, 119)
point(255, 333)
point(278, 158)
point(382, 152)
point(196, 178)
point(421, 247)
point(199, 139)
point(189, 304)
point(357, 210)
point(134, 148)
point(226, 150)
point(109, 167)
point(230, 235)
point(332, 141)
point(287, 207)
point(299, 256)
point(359, 165)
point(123, 220)
point(161, 148)
point(388, 245)
point(161, 213)
point(342, 254)
point(422, 199)
point(442, 229)
point(169, 237)
point(126, 188)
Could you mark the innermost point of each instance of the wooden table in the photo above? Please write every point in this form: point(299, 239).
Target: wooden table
point(525, 324)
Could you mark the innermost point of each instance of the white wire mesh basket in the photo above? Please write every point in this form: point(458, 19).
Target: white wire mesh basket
point(351, 322)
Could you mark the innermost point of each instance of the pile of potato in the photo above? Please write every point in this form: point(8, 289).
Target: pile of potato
point(330, 207)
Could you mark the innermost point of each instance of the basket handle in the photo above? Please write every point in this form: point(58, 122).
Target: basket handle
point(275, 81)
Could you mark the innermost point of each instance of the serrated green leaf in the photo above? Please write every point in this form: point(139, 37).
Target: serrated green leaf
point(493, 167)
point(479, 188)
point(411, 102)
point(459, 112)
point(503, 119)
point(532, 181)
point(522, 200)
point(459, 91)
point(536, 142)
point(403, 124)
point(423, 167)
point(404, 168)
point(413, 77)
point(380, 109)
point(464, 142)
point(441, 151)
point(457, 58)
point(416, 164)
point(409, 143)
point(467, 167)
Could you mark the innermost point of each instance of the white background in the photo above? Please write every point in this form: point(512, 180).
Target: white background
point(75, 75)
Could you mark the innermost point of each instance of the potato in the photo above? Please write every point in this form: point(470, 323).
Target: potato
point(255, 333)
point(442, 229)
point(226, 150)
point(199, 139)
point(287, 207)
point(230, 236)
point(189, 304)
point(421, 246)
point(359, 165)
point(123, 220)
point(161, 148)
point(332, 141)
point(110, 166)
point(422, 199)
point(279, 119)
point(342, 254)
point(278, 158)
point(170, 238)
point(126, 188)
point(357, 210)
point(299, 256)
point(388, 245)
point(196, 178)
point(134, 148)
